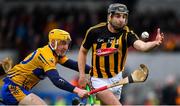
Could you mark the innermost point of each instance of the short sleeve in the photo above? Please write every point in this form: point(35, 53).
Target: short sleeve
point(62, 60)
point(47, 62)
point(131, 38)
point(88, 40)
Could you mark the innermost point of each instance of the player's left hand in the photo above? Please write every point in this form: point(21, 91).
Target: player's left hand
point(159, 37)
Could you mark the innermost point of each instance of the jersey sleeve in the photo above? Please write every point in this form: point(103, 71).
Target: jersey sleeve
point(62, 60)
point(74, 66)
point(88, 40)
point(131, 38)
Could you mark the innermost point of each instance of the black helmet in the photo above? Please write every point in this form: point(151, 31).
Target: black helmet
point(117, 8)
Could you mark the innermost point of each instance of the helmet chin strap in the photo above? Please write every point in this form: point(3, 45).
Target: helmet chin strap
point(62, 54)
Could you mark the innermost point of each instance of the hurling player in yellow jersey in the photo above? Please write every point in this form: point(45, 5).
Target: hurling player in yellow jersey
point(109, 42)
point(35, 67)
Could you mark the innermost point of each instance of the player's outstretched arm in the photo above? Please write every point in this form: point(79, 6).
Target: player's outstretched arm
point(146, 46)
point(74, 66)
point(81, 64)
point(61, 83)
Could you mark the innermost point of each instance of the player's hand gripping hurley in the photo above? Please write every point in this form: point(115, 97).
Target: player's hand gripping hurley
point(138, 75)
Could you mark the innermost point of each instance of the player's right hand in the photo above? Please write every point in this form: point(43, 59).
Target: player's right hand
point(82, 82)
point(159, 37)
point(81, 92)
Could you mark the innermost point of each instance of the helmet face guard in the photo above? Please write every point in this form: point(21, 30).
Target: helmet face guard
point(58, 38)
point(117, 8)
point(60, 47)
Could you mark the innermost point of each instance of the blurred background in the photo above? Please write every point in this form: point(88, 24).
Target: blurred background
point(24, 26)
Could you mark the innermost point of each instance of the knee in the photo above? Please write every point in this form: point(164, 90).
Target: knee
point(32, 99)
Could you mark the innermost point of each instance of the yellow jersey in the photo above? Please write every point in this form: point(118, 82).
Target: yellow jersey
point(32, 69)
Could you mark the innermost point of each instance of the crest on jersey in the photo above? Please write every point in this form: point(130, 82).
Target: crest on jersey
point(52, 60)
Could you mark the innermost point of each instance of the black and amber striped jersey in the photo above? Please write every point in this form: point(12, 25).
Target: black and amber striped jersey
point(99, 37)
point(32, 69)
